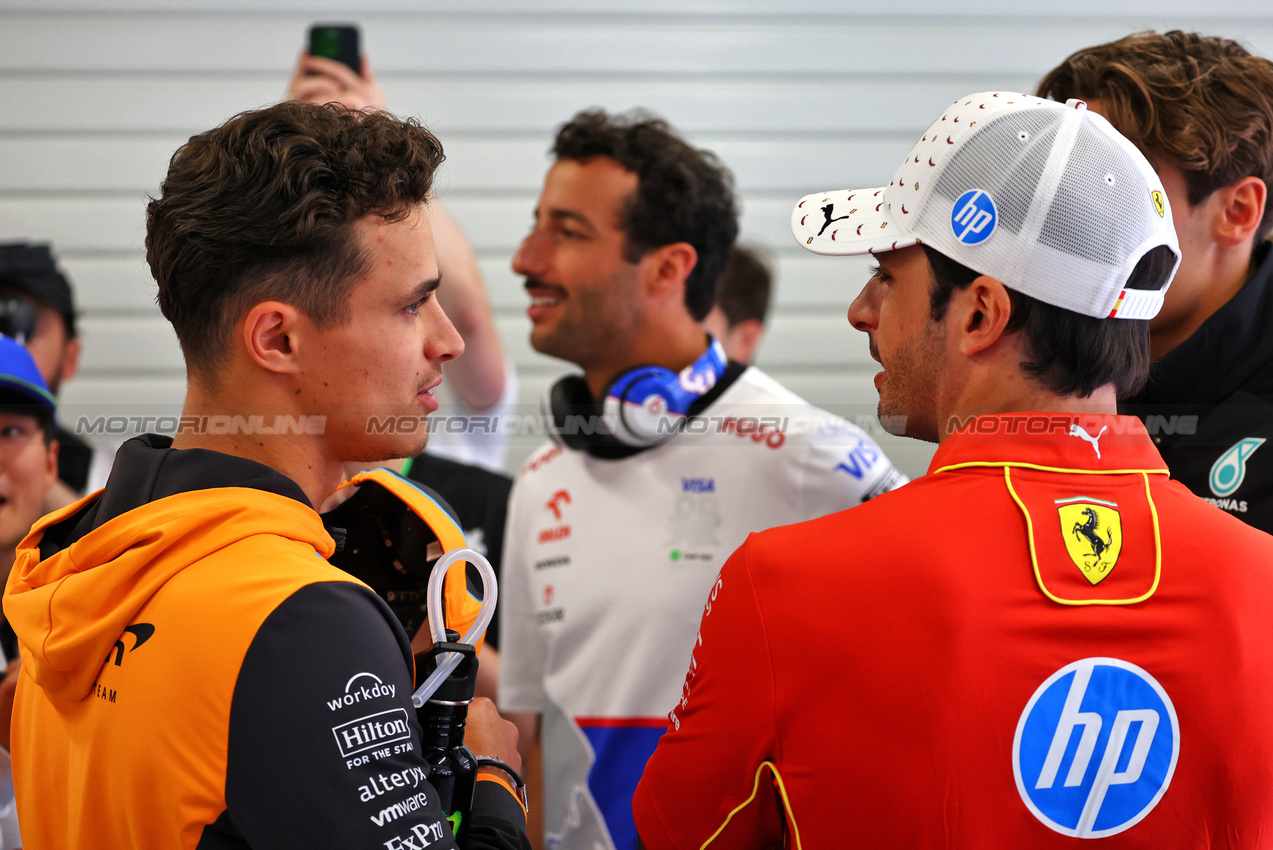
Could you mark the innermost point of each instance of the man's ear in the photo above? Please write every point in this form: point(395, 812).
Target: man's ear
point(269, 329)
point(744, 339)
point(978, 314)
point(50, 464)
point(70, 359)
point(667, 267)
point(1239, 209)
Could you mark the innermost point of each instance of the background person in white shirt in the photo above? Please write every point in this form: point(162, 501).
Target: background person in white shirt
point(668, 456)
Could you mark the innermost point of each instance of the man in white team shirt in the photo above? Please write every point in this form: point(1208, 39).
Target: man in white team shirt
point(616, 530)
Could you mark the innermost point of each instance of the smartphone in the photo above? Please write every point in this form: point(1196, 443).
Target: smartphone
point(336, 41)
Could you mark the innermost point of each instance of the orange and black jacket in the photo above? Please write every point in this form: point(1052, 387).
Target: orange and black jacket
point(197, 675)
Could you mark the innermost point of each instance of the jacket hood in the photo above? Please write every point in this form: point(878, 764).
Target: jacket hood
point(84, 573)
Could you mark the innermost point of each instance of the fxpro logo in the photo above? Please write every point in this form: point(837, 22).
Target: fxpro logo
point(421, 836)
point(1095, 748)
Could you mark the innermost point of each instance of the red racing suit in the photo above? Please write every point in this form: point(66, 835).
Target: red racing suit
point(1044, 637)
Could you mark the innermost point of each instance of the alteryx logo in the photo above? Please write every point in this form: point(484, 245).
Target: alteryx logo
point(974, 217)
point(1095, 748)
point(1230, 468)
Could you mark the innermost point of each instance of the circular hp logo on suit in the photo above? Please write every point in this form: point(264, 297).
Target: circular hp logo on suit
point(1095, 748)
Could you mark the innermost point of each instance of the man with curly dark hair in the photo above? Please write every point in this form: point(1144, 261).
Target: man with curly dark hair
point(1201, 110)
point(665, 456)
point(195, 673)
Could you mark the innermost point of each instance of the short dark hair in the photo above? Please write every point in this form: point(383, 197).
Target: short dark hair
point(31, 271)
point(1067, 352)
point(683, 194)
point(744, 286)
point(19, 405)
point(263, 208)
point(1203, 103)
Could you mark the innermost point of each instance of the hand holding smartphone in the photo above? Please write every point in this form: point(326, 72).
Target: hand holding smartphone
point(338, 42)
point(332, 69)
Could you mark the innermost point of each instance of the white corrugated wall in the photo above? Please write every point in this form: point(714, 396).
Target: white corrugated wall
point(796, 96)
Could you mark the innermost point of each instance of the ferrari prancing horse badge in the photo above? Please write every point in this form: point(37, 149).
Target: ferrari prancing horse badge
point(1093, 534)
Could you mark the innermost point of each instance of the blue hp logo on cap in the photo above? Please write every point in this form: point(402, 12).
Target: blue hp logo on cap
point(974, 217)
point(1095, 748)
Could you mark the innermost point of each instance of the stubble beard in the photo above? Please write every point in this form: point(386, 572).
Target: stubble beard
point(603, 324)
point(907, 406)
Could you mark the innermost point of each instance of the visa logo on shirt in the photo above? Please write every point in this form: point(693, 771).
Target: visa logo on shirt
point(860, 459)
point(698, 485)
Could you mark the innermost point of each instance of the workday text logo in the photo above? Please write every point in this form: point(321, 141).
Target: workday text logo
point(362, 687)
point(1095, 748)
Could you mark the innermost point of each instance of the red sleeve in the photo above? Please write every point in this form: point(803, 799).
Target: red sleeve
point(708, 778)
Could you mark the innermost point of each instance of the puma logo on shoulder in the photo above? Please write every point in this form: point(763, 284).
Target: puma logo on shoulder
point(1076, 430)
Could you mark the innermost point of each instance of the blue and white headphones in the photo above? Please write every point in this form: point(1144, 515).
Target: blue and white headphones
point(640, 407)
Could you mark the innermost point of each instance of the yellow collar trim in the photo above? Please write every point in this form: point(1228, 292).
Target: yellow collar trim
point(1021, 465)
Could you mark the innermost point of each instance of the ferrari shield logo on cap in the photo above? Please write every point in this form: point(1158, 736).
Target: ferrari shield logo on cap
point(1093, 533)
point(1159, 206)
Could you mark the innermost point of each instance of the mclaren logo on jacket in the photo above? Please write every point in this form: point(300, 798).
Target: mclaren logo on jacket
point(141, 633)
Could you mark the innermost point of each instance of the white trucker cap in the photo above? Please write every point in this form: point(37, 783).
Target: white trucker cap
point(1047, 198)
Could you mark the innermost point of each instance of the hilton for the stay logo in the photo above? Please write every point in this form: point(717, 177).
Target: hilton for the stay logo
point(372, 732)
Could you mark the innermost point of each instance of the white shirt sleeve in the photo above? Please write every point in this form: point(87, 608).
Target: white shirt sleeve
point(522, 645)
point(844, 467)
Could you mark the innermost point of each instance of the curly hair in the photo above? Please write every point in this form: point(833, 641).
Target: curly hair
point(1202, 103)
point(683, 194)
point(263, 207)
